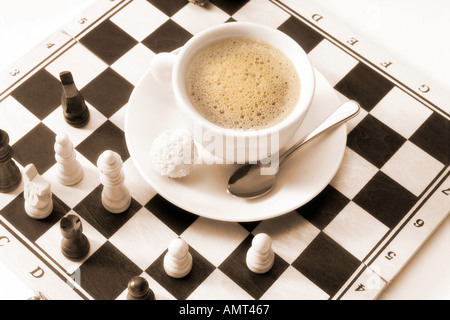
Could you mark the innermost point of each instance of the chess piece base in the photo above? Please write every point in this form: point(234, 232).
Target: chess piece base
point(70, 180)
point(116, 206)
point(75, 249)
point(11, 181)
point(150, 295)
point(177, 272)
point(40, 213)
point(262, 267)
point(79, 121)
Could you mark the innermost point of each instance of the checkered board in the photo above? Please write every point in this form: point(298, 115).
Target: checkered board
point(391, 191)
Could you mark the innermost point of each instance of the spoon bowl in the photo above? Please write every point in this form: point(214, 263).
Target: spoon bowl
point(250, 181)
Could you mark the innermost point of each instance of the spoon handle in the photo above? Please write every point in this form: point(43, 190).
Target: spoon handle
point(345, 112)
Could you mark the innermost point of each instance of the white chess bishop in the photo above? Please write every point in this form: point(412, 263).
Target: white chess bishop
point(178, 259)
point(260, 256)
point(116, 197)
point(68, 169)
point(37, 193)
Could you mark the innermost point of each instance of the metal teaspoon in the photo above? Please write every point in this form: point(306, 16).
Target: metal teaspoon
point(249, 182)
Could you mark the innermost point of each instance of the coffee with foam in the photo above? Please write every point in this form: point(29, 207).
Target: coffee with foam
point(242, 83)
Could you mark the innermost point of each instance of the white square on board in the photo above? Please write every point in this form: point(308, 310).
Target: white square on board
point(18, 122)
point(139, 19)
point(356, 230)
point(118, 118)
point(331, 61)
point(412, 168)
point(264, 12)
point(206, 235)
point(141, 190)
point(219, 286)
point(82, 63)
point(143, 238)
point(196, 18)
point(291, 234)
point(353, 174)
point(294, 285)
point(133, 64)
point(401, 112)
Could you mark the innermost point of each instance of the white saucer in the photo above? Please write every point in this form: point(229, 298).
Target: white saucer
point(152, 110)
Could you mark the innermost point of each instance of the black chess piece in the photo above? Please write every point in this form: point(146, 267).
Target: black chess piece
point(74, 245)
point(138, 289)
point(10, 175)
point(74, 107)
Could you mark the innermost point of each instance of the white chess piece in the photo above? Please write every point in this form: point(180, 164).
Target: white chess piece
point(37, 194)
point(260, 256)
point(178, 259)
point(116, 197)
point(68, 169)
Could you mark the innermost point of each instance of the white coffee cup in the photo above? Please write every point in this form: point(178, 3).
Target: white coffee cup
point(226, 144)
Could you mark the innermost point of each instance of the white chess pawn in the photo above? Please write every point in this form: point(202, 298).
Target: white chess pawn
point(68, 169)
point(37, 193)
point(178, 259)
point(116, 197)
point(260, 256)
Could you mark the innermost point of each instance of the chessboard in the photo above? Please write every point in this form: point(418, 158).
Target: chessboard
point(391, 191)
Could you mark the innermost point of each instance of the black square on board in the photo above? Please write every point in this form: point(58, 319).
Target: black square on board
point(40, 94)
point(32, 228)
point(250, 225)
point(324, 207)
point(364, 85)
point(91, 209)
point(169, 7)
point(374, 141)
point(230, 7)
point(174, 217)
point(181, 288)
point(305, 36)
point(326, 264)
point(108, 41)
point(433, 136)
point(36, 147)
point(385, 199)
point(106, 273)
point(106, 137)
point(168, 37)
point(108, 92)
point(235, 267)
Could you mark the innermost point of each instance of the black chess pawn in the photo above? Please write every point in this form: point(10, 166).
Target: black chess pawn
point(74, 107)
point(10, 175)
point(138, 289)
point(74, 245)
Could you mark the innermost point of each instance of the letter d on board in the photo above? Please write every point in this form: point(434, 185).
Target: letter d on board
point(316, 17)
point(37, 273)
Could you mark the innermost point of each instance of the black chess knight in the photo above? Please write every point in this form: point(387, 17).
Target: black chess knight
point(74, 107)
point(10, 175)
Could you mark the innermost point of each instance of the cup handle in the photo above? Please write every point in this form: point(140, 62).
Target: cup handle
point(161, 68)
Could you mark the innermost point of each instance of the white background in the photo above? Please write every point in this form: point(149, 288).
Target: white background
point(416, 31)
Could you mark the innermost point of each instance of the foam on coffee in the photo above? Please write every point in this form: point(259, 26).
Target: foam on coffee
point(242, 83)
